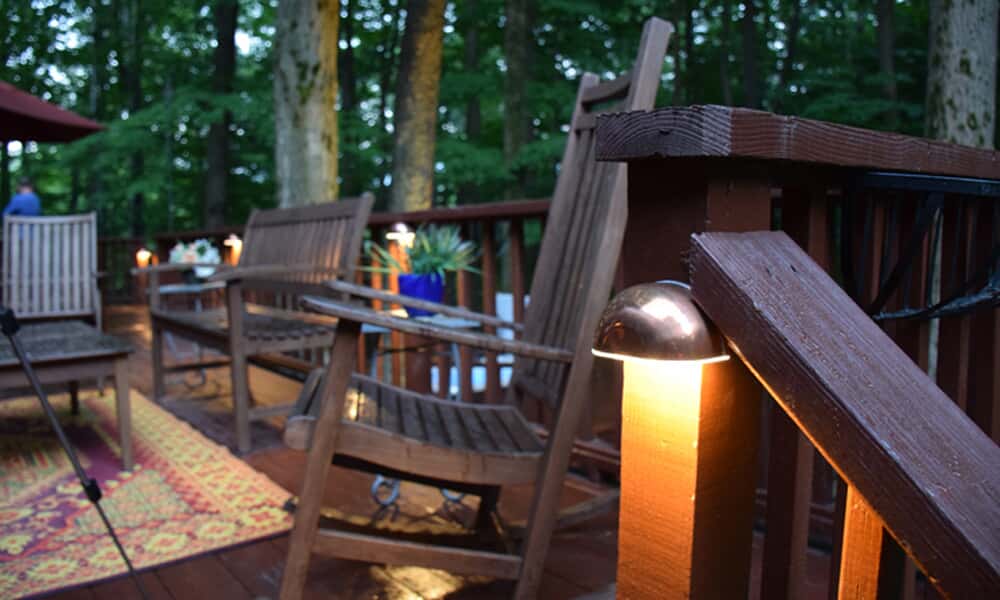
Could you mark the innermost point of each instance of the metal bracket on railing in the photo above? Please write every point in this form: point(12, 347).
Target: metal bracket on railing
point(965, 294)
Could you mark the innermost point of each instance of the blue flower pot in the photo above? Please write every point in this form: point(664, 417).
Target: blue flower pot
point(426, 286)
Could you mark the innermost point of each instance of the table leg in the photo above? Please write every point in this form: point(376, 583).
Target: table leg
point(74, 397)
point(124, 410)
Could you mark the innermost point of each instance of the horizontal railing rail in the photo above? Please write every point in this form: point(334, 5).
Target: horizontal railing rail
point(911, 458)
point(908, 227)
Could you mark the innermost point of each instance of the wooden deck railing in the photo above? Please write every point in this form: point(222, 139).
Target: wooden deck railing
point(507, 233)
point(908, 227)
point(914, 463)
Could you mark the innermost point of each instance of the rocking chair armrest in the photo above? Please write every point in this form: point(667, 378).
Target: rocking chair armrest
point(355, 312)
point(272, 272)
point(362, 291)
point(168, 267)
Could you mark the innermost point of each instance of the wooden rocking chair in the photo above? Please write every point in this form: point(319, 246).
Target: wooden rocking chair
point(467, 447)
point(285, 251)
point(50, 267)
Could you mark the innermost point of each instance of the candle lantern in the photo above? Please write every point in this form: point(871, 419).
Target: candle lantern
point(143, 258)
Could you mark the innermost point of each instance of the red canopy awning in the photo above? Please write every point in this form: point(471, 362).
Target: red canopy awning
point(27, 118)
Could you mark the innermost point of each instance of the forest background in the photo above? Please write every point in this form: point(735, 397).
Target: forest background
point(215, 108)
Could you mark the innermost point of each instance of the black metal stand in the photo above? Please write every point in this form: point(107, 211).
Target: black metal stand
point(9, 327)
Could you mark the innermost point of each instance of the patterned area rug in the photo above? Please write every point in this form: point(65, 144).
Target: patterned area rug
point(186, 496)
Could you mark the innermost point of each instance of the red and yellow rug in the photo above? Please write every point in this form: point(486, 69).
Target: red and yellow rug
point(186, 496)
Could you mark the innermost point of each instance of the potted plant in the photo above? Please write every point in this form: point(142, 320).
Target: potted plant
point(434, 250)
point(199, 251)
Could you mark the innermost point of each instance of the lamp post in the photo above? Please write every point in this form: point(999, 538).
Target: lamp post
point(235, 245)
point(688, 448)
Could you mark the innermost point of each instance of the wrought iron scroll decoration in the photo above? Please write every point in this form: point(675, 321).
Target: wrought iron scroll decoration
point(981, 289)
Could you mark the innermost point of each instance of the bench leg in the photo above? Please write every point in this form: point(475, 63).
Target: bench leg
point(241, 401)
point(74, 397)
point(157, 343)
point(333, 393)
point(124, 409)
point(487, 505)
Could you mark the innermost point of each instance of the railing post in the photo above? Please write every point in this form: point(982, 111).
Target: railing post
point(490, 308)
point(790, 455)
point(516, 241)
point(665, 208)
point(861, 550)
point(687, 483)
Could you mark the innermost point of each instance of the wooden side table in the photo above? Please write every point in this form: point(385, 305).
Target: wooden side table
point(66, 352)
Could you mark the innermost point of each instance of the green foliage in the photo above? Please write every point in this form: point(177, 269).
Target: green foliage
point(72, 53)
point(435, 249)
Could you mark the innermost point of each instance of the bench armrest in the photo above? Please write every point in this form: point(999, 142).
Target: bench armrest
point(354, 312)
point(369, 293)
point(272, 272)
point(168, 267)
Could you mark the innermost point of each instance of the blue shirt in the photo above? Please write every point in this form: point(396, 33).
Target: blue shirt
point(27, 205)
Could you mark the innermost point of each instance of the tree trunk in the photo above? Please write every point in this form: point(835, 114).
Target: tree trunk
point(517, 41)
point(469, 193)
point(386, 76)
point(415, 123)
point(886, 62)
point(217, 171)
point(98, 68)
point(131, 74)
point(688, 91)
point(4, 173)
point(751, 79)
point(350, 183)
point(168, 149)
point(74, 188)
point(727, 89)
point(305, 94)
point(962, 72)
point(791, 43)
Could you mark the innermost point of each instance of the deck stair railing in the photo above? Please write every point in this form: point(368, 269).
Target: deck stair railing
point(915, 464)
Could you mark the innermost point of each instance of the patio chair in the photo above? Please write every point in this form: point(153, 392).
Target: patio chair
point(50, 272)
point(285, 252)
point(50, 267)
point(478, 448)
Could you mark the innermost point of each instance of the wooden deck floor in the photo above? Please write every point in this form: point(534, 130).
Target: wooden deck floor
point(582, 560)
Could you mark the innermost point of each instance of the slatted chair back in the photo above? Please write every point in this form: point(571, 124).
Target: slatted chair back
point(579, 253)
point(50, 266)
point(324, 236)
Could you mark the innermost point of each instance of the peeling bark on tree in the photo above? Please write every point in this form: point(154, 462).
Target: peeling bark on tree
point(305, 94)
point(417, 86)
point(962, 72)
point(217, 151)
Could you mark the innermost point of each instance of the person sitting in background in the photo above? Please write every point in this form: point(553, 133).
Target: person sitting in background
point(25, 202)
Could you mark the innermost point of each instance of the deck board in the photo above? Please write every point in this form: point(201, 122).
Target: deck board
point(254, 570)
